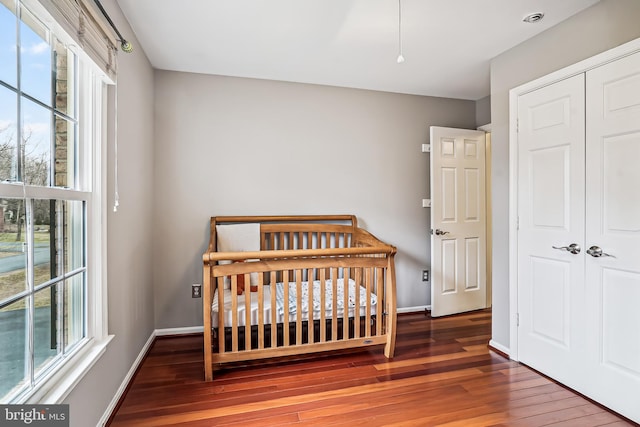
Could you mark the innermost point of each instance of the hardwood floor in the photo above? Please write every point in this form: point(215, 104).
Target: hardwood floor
point(443, 375)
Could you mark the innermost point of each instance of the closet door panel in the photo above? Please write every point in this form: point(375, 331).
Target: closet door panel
point(620, 294)
point(551, 288)
point(620, 184)
point(613, 226)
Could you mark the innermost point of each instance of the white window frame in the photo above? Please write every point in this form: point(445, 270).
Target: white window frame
point(56, 384)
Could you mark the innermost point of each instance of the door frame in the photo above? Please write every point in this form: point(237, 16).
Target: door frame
point(570, 71)
point(488, 211)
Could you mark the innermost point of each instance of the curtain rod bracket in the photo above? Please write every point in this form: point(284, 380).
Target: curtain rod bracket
point(125, 45)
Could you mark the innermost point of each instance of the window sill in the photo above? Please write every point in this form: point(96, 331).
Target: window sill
point(61, 381)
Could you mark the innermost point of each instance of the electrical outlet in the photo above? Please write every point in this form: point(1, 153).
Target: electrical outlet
point(425, 275)
point(196, 290)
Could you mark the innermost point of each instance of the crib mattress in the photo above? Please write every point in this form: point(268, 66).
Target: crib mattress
point(293, 308)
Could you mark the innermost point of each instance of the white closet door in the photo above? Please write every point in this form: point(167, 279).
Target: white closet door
point(613, 225)
point(551, 197)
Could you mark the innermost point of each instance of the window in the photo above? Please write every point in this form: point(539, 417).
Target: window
point(50, 145)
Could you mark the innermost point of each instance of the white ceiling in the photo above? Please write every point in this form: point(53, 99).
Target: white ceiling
point(448, 44)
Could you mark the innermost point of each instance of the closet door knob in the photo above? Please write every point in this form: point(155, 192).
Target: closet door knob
point(440, 232)
point(572, 248)
point(596, 252)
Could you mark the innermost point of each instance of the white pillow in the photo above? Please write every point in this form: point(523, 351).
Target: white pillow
point(238, 238)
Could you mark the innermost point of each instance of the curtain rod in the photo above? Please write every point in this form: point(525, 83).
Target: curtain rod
point(124, 44)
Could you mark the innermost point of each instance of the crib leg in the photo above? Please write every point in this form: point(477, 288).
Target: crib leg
point(390, 347)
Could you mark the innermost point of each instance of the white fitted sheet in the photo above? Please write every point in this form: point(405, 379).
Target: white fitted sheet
point(293, 309)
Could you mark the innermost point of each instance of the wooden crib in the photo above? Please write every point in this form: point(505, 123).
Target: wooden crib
point(303, 267)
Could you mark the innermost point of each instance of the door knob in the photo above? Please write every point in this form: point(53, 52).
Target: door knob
point(440, 232)
point(572, 248)
point(596, 252)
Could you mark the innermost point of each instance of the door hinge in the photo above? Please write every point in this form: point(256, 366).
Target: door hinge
point(517, 319)
point(518, 223)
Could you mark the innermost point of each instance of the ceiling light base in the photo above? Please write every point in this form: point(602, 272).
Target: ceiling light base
point(532, 18)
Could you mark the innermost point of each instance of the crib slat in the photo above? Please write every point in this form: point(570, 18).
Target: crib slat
point(323, 304)
point(379, 294)
point(260, 310)
point(345, 311)
point(285, 323)
point(234, 313)
point(358, 279)
point(247, 312)
point(310, 277)
point(221, 340)
point(367, 279)
point(356, 313)
point(298, 307)
point(274, 312)
point(334, 304)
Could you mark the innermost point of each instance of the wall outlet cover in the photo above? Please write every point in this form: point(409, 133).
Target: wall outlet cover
point(196, 290)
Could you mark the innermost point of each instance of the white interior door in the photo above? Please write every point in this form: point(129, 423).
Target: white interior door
point(458, 226)
point(551, 197)
point(613, 225)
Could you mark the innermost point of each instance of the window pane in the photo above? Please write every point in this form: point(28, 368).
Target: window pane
point(35, 56)
point(58, 238)
point(46, 265)
point(13, 333)
point(35, 153)
point(74, 235)
point(74, 310)
point(65, 62)
point(13, 256)
point(8, 43)
point(65, 138)
point(8, 134)
point(45, 333)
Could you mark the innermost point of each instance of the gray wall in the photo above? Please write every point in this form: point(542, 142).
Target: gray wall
point(242, 146)
point(601, 27)
point(483, 111)
point(129, 232)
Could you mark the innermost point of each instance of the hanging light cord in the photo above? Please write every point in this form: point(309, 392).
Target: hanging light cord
point(116, 198)
point(400, 57)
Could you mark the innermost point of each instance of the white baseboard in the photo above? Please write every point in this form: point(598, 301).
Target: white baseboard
point(500, 347)
point(125, 382)
point(414, 309)
point(179, 331)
